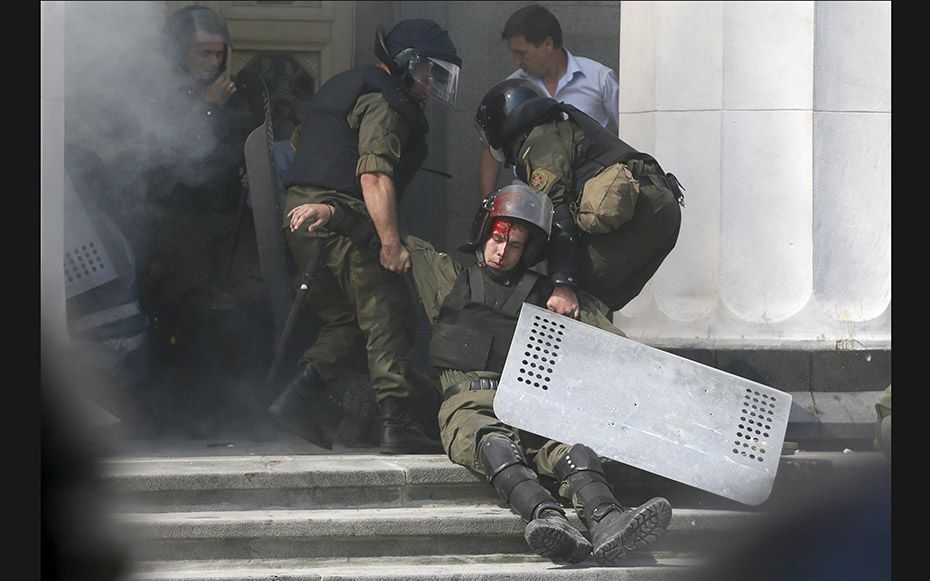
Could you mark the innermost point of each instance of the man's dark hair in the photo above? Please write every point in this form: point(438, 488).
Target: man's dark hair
point(534, 23)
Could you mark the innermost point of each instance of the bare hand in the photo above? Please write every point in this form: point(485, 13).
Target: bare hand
point(563, 302)
point(220, 91)
point(395, 258)
point(318, 214)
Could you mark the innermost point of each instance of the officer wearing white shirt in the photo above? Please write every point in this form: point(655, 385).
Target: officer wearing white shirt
point(534, 38)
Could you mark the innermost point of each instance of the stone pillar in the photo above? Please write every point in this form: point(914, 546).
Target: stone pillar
point(776, 117)
point(52, 123)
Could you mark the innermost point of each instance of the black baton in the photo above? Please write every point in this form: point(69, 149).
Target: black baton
point(296, 306)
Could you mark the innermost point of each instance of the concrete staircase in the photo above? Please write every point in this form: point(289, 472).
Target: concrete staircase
point(361, 515)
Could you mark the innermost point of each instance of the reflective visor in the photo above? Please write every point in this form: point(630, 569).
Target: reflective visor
point(435, 77)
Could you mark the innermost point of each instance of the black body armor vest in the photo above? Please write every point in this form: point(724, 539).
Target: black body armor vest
point(478, 318)
point(328, 152)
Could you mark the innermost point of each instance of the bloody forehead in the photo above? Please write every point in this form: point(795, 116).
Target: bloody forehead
point(502, 228)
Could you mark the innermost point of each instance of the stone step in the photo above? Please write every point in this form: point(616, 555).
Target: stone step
point(368, 516)
point(822, 417)
point(374, 532)
point(490, 567)
point(291, 481)
point(214, 483)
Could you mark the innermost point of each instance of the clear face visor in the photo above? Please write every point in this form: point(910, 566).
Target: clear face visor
point(496, 153)
point(434, 77)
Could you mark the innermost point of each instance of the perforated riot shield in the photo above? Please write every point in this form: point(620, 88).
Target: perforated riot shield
point(641, 406)
point(88, 253)
point(268, 215)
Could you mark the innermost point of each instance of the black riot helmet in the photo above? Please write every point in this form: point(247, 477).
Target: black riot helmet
point(520, 203)
point(509, 109)
point(422, 54)
point(182, 29)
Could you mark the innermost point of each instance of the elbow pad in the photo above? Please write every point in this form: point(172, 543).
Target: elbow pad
point(566, 246)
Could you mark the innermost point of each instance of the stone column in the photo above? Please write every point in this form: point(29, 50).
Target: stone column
point(52, 123)
point(776, 117)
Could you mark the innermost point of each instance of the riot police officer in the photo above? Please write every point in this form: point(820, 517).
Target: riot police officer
point(212, 323)
point(617, 212)
point(362, 141)
point(474, 314)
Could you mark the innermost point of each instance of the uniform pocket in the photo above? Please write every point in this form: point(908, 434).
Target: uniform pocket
point(607, 200)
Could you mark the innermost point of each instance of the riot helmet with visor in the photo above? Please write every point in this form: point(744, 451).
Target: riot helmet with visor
point(520, 203)
point(508, 109)
point(423, 55)
point(185, 28)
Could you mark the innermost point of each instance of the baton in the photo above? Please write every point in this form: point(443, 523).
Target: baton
point(296, 306)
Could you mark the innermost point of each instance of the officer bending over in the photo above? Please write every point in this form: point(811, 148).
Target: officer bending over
point(617, 212)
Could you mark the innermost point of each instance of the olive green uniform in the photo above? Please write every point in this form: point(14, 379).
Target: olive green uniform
point(615, 265)
point(468, 416)
point(360, 303)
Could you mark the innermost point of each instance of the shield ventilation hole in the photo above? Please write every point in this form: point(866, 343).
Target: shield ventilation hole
point(755, 425)
point(541, 353)
point(81, 261)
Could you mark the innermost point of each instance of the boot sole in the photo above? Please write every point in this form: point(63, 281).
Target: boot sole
point(358, 428)
point(647, 523)
point(556, 543)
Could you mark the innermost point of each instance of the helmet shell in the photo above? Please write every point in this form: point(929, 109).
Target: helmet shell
point(420, 42)
point(517, 202)
point(181, 30)
point(509, 108)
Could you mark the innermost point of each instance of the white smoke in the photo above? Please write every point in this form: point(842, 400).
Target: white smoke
point(129, 125)
point(119, 89)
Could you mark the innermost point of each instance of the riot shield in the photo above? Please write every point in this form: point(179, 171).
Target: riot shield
point(89, 260)
point(267, 215)
point(574, 383)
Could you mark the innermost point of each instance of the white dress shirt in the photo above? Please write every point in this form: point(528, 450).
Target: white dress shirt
point(586, 84)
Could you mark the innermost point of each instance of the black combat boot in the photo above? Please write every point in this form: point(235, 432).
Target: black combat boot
point(615, 529)
point(300, 408)
point(547, 531)
point(399, 434)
